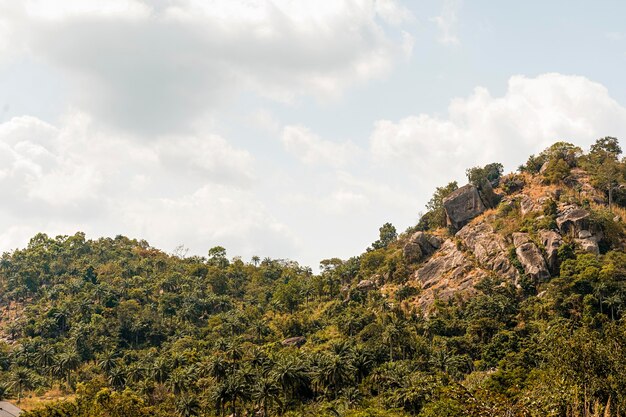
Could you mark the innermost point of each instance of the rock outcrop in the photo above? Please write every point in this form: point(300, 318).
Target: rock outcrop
point(294, 341)
point(576, 222)
point(551, 241)
point(463, 205)
point(447, 273)
point(489, 248)
point(530, 257)
point(366, 285)
point(526, 205)
point(420, 246)
point(572, 220)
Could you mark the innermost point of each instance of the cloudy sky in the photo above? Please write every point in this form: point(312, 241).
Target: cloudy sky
point(284, 128)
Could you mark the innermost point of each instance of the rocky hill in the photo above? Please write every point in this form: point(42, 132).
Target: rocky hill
point(506, 299)
point(520, 237)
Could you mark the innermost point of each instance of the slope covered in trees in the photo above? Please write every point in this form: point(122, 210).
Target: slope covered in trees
point(124, 329)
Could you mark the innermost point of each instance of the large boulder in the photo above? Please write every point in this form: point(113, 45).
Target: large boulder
point(572, 220)
point(530, 257)
point(489, 248)
point(366, 285)
point(589, 245)
point(551, 241)
point(420, 246)
point(463, 205)
point(576, 222)
point(294, 341)
point(526, 205)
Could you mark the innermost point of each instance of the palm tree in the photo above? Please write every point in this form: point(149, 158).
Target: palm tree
point(107, 361)
point(599, 291)
point(256, 260)
point(45, 357)
point(614, 301)
point(117, 377)
point(237, 389)
point(178, 381)
point(291, 374)
point(188, 406)
point(66, 363)
point(20, 378)
point(265, 392)
point(159, 369)
point(332, 372)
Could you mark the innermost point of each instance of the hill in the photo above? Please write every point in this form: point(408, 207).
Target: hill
point(506, 299)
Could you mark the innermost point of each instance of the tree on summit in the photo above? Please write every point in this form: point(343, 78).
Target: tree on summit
point(387, 235)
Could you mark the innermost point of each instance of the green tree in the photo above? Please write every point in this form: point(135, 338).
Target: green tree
point(436, 216)
point(387, 235)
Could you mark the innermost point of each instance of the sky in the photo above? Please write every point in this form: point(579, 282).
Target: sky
point(286, 128)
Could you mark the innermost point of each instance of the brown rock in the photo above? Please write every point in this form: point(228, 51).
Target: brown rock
point(463, 205)
point(530, 257)
point(448, 273)
point(572, 220)
point(551, 241)
point(489, 248)
point(421, 245)
point(294, 341)
point(366, 285)
point(589, 245)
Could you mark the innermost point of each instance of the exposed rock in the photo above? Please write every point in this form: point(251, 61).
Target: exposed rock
point(294, 341)
point(551, 241)
point(463, 205)
point(421, 245)
point(366, 285)
point(489, 248)
point(451, 263)
point(449, 272)
point(489, 198)
point(526, 205)
point(530, 257)
point(584, 234)
point(589, 245)
point(572, 220)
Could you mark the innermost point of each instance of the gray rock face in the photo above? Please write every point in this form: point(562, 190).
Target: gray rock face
point(576, 222)
point(451, 264)
point(294, 341)
point(530, 257)
point(526, 205)
point(551, 241)
point(589, 245)
point(572, 220)
point(421, 245)
point(489, 248)
point(462, 206)
point(366, 285)
point(448, 273)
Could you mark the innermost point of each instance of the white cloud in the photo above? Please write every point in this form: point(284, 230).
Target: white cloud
point(313, 150)
point(447, 22)
point(194, 190)
point(211, 155)
point(157, 67)
point(392, 12)
point(479, 129)
point(212, 215)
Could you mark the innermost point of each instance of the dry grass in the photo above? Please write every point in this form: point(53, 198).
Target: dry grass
point(30, 401)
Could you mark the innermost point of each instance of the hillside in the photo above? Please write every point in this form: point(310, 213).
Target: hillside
point(506, 299)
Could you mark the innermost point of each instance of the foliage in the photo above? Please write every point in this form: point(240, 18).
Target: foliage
point(435, 217)
point(123, 329)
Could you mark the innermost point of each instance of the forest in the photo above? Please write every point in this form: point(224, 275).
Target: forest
point(112, 327)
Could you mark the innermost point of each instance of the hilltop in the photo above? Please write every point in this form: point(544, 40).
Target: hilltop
point(506, 299)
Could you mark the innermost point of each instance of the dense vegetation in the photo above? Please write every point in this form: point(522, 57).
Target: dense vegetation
point(127, 330)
